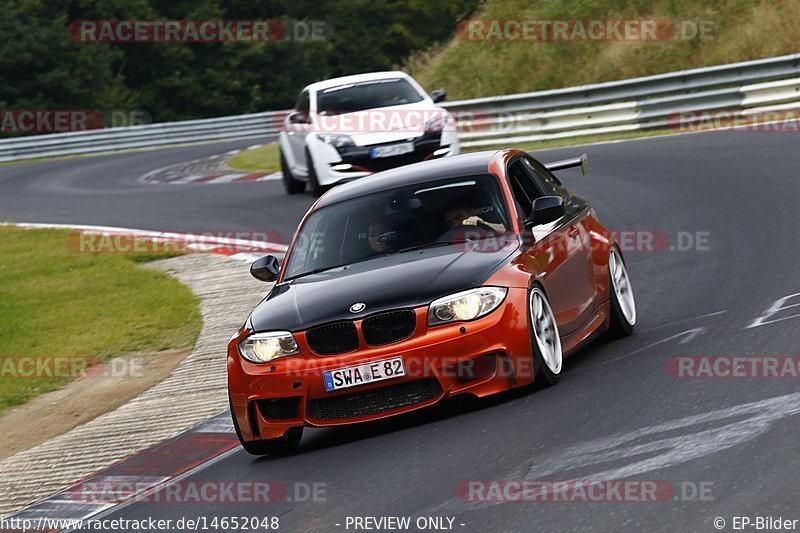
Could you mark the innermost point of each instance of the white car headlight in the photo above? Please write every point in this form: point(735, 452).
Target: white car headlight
point(336, 140)
point(436, 124)
point(466, 305)
point(266, 347)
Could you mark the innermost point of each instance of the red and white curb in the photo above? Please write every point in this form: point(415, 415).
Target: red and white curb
point(132, 478)
point(147, 442)
point(208, 170)
point(235, 248)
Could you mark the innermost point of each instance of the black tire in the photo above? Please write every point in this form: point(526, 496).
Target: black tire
point(283, 444)
point(618, 327)
point(290, 183)
point(543, 376)
point(316, 189)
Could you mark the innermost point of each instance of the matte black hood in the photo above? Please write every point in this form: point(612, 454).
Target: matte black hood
point(409, 279)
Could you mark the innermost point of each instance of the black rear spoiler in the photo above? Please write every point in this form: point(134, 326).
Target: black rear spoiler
point(582, 161)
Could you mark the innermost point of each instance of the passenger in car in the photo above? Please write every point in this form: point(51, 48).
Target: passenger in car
point(458, 214)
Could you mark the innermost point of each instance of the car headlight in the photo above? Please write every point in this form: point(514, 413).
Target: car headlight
point(336, 140)
point(266, 347)
point(466, 305)
point(435, 124)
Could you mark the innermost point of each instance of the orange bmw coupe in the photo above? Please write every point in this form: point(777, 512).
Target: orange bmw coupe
point(473, 274)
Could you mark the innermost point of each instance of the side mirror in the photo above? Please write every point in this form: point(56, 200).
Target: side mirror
point(546, 209)
point(297, 118)
point(439, 95)
point(265, 268)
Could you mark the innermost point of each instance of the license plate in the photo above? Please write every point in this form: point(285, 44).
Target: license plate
point(351, 376)
point(391, 150)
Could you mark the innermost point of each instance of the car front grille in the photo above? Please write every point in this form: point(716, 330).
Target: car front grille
point(378, 329)
point(375, 401)
point(424, 146)
point(388, 327)
point(338, 337)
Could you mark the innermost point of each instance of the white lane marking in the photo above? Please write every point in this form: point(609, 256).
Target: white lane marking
point(728, 429)
point(274, 176)
point(662, 326)
point(689, 334)
point(692, 333)
point(227, 178)
point(773, 309)
point(187, 179)
point(654, 447)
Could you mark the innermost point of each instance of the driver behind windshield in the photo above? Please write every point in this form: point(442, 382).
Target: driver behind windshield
point(458, 214)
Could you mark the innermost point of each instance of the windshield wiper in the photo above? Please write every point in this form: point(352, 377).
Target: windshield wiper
point(315, 271)
point(426, 245)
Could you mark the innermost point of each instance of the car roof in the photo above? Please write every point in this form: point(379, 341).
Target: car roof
point(471, 164)
point(356, 78)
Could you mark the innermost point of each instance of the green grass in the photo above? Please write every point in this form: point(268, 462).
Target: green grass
point(55, 301)
point(264, 159)
point(743, 30)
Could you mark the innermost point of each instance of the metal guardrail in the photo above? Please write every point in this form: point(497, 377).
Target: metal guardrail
point(145, 136)
point(626, 105)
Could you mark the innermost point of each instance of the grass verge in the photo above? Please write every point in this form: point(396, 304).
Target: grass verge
point(58, 303)
point(734, 30)
point(264, 159)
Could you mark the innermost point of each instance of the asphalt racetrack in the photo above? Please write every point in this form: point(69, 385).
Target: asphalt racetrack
point(727, 446)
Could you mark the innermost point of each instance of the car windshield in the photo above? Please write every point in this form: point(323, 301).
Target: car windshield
point(399, 220)
point(367, 95)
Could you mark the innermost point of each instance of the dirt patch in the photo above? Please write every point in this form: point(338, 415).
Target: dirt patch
point(53, 413)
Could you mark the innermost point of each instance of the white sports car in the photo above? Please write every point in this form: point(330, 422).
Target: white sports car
point(350, 127)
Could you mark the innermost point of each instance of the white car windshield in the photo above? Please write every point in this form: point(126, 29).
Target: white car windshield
point(399, 220)
point(366, 95)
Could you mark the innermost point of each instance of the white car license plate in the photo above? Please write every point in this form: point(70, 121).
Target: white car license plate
point(391, 150)
point(351, 376)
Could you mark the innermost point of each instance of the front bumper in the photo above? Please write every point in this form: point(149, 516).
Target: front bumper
point(481, 357)
point(330, 162)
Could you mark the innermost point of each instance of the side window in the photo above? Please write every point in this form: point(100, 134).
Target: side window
point(303, 104)
point(523, 185)
point(549, 182)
